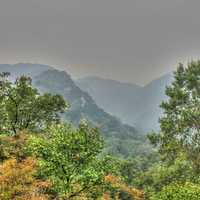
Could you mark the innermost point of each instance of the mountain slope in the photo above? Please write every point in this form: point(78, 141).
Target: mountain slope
point(151, 97)
point(138, 106)
point(111, 95)
point(121, 139)
point(82, 105)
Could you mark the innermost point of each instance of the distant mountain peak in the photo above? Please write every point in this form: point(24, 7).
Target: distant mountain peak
point(135, 105)
point(28, 69)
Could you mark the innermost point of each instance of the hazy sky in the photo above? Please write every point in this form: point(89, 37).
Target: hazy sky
point(128, 40)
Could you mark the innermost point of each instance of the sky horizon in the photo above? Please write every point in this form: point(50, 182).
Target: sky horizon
point(132, 41)
point(76, 78)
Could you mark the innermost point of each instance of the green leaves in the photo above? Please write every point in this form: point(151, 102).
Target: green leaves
point(22, 107)
point(69, 157)
point(180, 123)
point(177, 191)
point(178, 141)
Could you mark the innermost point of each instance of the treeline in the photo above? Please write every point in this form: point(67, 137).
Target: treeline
point(43, 157)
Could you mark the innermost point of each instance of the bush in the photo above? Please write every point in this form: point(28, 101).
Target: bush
point(17, 180)
point(175, 191)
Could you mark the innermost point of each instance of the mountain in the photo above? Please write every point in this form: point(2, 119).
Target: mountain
point(28, 69)
point(120, 138)
point(149, 102)
point(133, 104)
point(111, 95)
point(81, 104)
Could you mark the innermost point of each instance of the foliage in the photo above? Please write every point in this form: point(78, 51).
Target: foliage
point(133, 168)
point(11, 147)
point(180, 127)
point(70, 163)
point(120, 139)
point(177, 191)
point(17, 180)
point(122, 190)
point(161, 174)
point(127, 147)
point(178, 141)
point(69, 158)
point(22, 107)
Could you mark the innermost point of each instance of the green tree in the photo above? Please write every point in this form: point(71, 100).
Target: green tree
point(180, 123)
point(69, 157)
point(178, 191)
point(162, 174)
point(22, 107)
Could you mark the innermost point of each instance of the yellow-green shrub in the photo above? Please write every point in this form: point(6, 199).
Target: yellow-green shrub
point(187, 191)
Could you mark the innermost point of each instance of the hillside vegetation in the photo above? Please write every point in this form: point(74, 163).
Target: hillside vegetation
point(121, 140)
point(44, 156)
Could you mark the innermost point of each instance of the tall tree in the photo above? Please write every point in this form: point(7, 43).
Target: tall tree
point(22, 107)
point(180, 123)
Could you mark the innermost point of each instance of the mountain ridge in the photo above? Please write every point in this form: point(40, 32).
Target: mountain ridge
point(126, 101)
point(121, 139)
point(137, 106)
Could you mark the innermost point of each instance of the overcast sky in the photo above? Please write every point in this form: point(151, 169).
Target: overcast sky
point(128, 40)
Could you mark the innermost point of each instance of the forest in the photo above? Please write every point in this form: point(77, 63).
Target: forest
point(44, 156)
